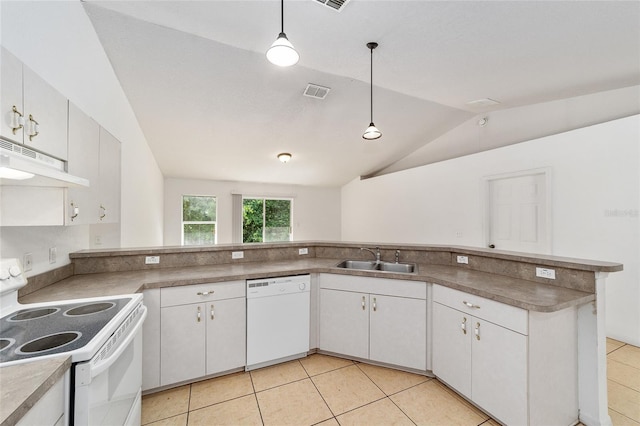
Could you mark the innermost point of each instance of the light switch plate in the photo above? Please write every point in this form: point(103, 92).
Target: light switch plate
point(27, 262)
point(53, 254)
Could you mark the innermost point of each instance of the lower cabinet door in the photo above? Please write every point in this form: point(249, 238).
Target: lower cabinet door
point(499, 372)
point(344, 322)
point(182, 345)
point(226, 338)
point(452, 331)
point(398, 331)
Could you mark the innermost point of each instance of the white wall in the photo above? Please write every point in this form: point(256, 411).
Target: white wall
point(595, 170)
point(56, 40)
point(316, 211)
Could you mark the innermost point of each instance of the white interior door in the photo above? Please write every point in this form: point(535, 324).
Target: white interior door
point(518, 216)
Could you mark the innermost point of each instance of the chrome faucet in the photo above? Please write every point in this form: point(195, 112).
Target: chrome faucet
point(375, 253)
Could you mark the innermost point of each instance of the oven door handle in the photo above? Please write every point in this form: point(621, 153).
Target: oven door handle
point(107, 362)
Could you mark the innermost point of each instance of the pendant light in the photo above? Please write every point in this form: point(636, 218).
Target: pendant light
point(281, 52)
point(372, 131)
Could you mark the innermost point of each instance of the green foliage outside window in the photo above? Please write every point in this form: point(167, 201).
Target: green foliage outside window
point(266, 220)
point(198, 220)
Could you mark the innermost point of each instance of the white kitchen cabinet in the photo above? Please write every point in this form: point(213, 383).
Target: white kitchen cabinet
point(51, 409)
point(43, 109)
point(344, 322)
point(493, 354)
point(108, 208)
point(205, 338)
point(379, 319)
point(84, 152)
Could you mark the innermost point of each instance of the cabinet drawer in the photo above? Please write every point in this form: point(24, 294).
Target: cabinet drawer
point(173, 296)
point(507, 316)
point(373, 285)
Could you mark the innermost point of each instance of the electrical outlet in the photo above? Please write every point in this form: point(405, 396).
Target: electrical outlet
point(546, 273)
point(463, 259)
point(27, 262)
point(237, 254)
point(53, 254)
point(303, 251)
point(152, 260)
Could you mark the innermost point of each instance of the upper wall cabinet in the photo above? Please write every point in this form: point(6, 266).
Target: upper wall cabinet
point(109, 179)
point(33, 113)
point(84, 151)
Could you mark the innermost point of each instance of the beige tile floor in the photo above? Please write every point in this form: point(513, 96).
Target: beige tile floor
point(328, 391)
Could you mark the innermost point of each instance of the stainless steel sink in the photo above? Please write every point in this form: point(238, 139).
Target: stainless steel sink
point(405, 268)
point(364, 265)
point(357, 264)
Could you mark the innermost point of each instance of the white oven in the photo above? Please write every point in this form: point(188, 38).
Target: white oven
point(107, 389)
point(103, 336)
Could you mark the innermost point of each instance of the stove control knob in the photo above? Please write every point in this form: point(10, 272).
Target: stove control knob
point(15, 271)
point(4, 274)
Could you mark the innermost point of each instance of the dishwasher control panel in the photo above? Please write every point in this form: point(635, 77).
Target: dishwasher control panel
point(265, 287)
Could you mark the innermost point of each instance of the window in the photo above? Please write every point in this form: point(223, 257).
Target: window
point(266, 220)
point(198, 220)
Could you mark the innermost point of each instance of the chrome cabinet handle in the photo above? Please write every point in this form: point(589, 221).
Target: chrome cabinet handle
point(35, 128)
point(470, 305)
point(213, 316)
point(199, 314)
point(463, 325)
point(363, 306)
point(104, 212)
point(375, 307)
point(205, 293)
point(477, 331)
point(18, 120)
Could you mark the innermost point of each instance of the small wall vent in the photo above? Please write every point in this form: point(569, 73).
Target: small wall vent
point(315, 91)
point(334, 4)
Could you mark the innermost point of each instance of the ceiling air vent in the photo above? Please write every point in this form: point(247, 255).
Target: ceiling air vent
point(315, 91)
point(334, 4)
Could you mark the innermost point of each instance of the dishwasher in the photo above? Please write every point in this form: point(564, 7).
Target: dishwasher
point(277, 320)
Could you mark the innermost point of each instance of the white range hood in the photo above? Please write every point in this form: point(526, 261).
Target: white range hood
point(37, 169)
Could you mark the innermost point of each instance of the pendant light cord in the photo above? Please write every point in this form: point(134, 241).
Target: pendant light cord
point(371, 84)
point(282, 16)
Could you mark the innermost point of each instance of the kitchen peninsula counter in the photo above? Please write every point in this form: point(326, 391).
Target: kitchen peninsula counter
point(513, 291)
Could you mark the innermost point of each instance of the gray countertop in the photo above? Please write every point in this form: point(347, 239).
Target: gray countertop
point(22, 385)
point(516, 292)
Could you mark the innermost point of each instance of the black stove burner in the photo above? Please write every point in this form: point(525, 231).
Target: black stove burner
point(32, 314)
point(5, 343)
point(89, 309)
point(49, 342)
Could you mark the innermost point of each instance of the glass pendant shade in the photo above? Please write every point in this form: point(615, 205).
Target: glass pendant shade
point(282, 53)
point(372, 132)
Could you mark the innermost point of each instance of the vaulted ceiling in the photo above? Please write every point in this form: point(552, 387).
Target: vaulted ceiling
point(212, 107)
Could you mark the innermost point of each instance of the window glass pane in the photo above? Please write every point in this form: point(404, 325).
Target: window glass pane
point(278, 220)
point(252, 214)
point(198, 209)
point(199, 233)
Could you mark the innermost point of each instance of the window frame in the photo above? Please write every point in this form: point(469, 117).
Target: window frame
point(194, 222)
point(264, 198)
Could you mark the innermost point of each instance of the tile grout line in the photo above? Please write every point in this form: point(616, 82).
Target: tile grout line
point(255, 396)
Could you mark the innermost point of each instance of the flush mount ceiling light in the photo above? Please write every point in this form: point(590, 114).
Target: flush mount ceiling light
point(281, 52)
point(372, 131)
point(284, 157)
